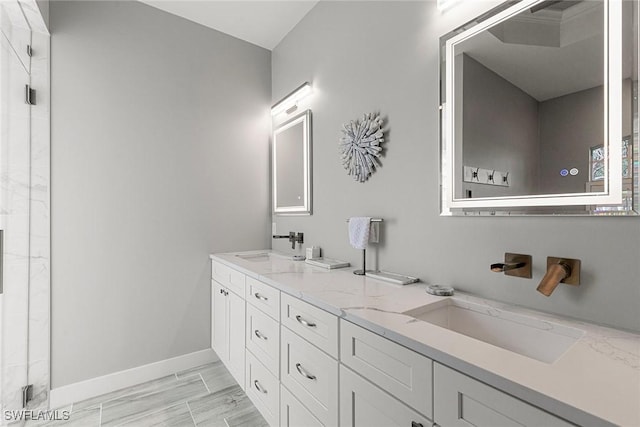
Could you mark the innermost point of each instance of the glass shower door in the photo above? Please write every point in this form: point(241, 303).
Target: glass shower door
point(15, 153)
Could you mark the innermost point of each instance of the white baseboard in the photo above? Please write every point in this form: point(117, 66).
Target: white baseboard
point(65, 395)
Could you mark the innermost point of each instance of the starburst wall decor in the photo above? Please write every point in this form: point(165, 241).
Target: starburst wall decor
point(360, 146)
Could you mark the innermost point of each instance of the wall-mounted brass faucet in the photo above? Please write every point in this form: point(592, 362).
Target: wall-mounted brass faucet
point(293, 238)
point(517, 265)
point(559, 270)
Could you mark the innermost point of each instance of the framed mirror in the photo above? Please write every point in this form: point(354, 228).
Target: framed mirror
point(291, 166)
point(539, 110)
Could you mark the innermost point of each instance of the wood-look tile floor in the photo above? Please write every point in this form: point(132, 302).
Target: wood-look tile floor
point(203, 396)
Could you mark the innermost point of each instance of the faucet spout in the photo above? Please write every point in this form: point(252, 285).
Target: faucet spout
point(293, 238)
point(556, 273)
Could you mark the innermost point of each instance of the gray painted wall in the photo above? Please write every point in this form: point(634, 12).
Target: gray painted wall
point(500, 131)
point(160, 156)
point(569, 125)
point(368, 56)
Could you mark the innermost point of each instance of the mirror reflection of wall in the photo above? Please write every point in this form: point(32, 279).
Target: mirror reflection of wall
point(290, 160)
point(530, 99)
point(291, 163)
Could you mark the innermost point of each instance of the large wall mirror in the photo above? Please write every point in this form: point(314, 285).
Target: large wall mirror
point(539, 110)
point(291, 165)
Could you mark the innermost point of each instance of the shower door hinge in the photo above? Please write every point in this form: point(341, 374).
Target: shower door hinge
point(29, 51)
point(29, 95)
point(27, 394)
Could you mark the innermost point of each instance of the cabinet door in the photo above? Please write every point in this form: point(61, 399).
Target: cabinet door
point(363, 404)
point(264, 390)
point(311, 375)
point(462, 401)
point(235, 333)
point(263, 339)
point(293, 413)
point(219, 326)
point(399, 371)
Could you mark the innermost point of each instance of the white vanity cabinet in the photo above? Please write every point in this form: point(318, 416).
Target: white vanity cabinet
point(381, 382)
point(295, 414)
point(309, 361)
point(462, 401)
point(303, 366)
point(227, 319)
point(363, 404)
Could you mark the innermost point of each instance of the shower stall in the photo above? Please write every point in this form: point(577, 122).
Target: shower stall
point(24, 210)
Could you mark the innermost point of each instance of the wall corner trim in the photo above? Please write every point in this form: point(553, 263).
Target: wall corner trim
point(76, 392)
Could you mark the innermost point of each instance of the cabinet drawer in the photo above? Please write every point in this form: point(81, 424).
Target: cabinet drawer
point(293, 413)
point(263, 296)
point(263, 389)
point(396, 369)
point(311, 375)
point(226, 276)
point(364, 404)
point(315, 325)
point(462, 401)
point(263, 339)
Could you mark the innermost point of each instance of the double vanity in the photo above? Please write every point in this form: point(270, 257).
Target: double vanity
point(326, 348)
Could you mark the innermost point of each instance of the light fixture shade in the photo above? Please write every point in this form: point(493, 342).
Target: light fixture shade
point(292, 99)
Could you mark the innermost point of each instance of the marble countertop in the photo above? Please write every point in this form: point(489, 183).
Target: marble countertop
point(595, 382)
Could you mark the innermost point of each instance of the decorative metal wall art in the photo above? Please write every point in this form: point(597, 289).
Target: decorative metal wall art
point(360, 146)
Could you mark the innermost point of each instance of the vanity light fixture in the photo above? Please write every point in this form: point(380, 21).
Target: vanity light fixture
point(446, 4)
point(290, 102)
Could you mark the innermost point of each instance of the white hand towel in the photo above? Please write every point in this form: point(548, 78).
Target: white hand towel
point(359, 228)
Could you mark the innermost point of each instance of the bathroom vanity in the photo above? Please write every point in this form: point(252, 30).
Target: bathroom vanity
point(328, 348)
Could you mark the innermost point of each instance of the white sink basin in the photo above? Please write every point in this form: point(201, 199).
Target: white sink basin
point(255, 257)
point(529, 336)
point(264, 256)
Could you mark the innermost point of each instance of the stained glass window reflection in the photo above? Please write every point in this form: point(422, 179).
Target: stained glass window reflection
point(626, 157)
point(597, 160)
point(597, 163)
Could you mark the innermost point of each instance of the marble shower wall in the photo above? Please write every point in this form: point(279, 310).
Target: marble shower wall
point(24, 211)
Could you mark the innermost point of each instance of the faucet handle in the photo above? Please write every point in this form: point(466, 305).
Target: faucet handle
point(517, 265)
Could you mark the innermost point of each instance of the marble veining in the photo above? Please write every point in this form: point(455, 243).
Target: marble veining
point(24, 192)
point(578, 386)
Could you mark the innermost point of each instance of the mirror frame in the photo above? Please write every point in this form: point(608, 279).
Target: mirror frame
point(612, 194)
point(305, 208)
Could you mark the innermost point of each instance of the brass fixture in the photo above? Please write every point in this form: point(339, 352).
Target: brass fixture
point(559, 270)
point(517, 265)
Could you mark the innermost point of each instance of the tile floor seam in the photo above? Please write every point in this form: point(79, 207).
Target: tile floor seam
point(191, 413)
point(204, 382)
point(150, 413)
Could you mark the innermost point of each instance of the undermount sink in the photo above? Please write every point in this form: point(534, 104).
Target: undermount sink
point(255, 257)
point(265, 256)
point(528, 336)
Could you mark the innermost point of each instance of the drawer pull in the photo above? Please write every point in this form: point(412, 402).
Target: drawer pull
point(260, 297)
point(416, 424)
point(259, 335)
point(259, 387)
point(304, 322)
point(304, 373)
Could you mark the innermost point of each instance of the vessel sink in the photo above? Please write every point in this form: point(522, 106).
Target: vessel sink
point(526, 335)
